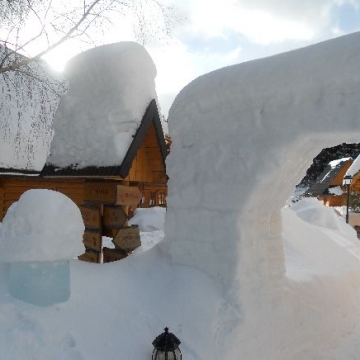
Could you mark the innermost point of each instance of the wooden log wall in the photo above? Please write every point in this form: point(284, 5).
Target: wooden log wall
point(105, 213)
point(338, 180)
point(333, 200)
point(148, 165)
point(355, 186)
point(96, 200)
point(2, 211)
point(12, 188)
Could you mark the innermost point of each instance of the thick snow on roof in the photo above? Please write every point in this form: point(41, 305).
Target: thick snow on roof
point(334, 163)
point(354, 168)
point(335, 167)
point(110, 89)
point(243, 137)
point(336, 190)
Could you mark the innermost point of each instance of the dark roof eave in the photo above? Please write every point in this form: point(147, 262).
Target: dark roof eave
point(4, 171)
point(323, 181)
point(90, 171)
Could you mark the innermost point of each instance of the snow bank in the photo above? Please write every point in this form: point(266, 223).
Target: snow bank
point(43, 225)
point(110, 89)
point(151, 223)
point(322, 265)
point(319, 247)
point(149, 219)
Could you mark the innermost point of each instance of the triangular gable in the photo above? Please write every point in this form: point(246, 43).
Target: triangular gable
point(327, 178)
point(354, 169)
point(122, 170)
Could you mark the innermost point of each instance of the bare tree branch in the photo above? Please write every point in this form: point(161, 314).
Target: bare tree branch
point(29, 93)
point(26, 61)
point(17, 49)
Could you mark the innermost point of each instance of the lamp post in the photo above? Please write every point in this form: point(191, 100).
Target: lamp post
point(166, 347)
point(347, 182)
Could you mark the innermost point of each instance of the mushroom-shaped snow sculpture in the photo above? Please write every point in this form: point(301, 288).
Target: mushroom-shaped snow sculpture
point(39, 235)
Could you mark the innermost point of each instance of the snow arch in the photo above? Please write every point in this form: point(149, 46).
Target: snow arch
point(243, 136)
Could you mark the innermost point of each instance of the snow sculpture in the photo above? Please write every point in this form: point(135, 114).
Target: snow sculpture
point(243, 137)
point(39, 235)
point(110, 88)
point(40, 283)
point(237, 135)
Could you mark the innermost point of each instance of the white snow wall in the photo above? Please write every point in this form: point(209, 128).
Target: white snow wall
point(243, 137)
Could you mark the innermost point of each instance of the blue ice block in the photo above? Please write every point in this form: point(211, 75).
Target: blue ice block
point(40, 283)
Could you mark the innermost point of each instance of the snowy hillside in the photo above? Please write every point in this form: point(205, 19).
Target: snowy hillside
point(242, 273)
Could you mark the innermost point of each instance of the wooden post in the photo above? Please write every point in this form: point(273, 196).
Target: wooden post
point(2, 212)
point(92, 237)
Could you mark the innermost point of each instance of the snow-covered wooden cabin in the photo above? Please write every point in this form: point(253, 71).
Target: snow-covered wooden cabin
point(328, 185)
point(143, 167)
point(107, 132)
point(353, 172)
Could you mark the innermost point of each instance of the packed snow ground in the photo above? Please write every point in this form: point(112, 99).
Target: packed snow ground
point(115, 310)
point(235, 276)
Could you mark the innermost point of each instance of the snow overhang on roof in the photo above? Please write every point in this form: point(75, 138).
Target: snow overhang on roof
point(4, 172)
point(121, 170)
point(110, 88)
point(354, 168)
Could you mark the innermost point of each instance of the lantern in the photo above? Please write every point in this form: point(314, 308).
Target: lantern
point(166, 347)
point(347, 182)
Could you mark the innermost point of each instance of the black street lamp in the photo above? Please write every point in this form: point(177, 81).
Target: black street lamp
point(166, 347)
point(347, 182)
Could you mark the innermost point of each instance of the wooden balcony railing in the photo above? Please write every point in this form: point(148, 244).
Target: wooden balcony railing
point(153, 195)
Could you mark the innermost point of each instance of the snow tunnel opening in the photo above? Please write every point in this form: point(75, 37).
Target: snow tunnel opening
point(324, 180)
point(316, 231)
point(271, 211)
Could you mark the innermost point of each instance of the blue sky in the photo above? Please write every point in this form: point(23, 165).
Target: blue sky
point(216, 33)
point(221, 33)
